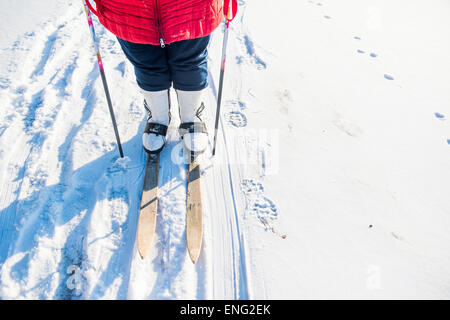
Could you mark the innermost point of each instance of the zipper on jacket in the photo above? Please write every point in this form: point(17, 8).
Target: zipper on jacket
point(158, 25)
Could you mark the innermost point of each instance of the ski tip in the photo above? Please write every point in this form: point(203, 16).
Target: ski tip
point(142, 254)
point(143, 245)
point(194, 255)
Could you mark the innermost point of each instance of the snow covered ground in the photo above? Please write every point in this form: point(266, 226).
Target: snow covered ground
point(331, 176)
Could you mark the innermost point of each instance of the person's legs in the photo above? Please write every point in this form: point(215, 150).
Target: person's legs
point(183, 63)
point(153, 77)
point(188, 66)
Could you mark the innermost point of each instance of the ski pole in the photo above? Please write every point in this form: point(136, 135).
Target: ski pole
point(102, 74)
point(229, 16)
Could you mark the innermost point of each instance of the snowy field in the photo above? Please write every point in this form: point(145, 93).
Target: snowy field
point(331, 178)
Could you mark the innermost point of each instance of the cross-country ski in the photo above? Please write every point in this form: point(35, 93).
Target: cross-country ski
point(149, 206)
point(194, 212)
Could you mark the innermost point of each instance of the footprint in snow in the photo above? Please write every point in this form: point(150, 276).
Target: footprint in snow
point(4, 83)
point(236, 119)
point(285, 100)
point(250, 187)
point(388, 77)
point(250, 56)
point(37, 102)
point(397, 237)
point(440, 116)
point(259, 206)
point(46, 54)
point(346, 126)
point(264, 208)
point(372, 54)
point(121, 68)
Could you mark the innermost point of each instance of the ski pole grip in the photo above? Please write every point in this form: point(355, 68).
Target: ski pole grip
point(230, 9)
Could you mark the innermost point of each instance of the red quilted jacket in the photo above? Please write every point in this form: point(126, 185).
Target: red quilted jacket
point(159, 21)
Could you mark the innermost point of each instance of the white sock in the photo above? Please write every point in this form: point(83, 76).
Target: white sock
point(189, 102)
point(158, 103)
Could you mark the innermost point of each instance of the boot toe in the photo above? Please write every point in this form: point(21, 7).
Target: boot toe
point(196, 141)
point(153, 143)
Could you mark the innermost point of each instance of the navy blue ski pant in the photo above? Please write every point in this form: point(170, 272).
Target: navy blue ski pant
point(182, 63)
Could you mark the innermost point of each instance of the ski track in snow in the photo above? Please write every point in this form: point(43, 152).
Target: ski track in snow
point(241, 144)
point(235, 244)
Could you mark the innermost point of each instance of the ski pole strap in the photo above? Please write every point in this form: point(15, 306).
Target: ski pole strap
point(98, 5)
point(229, 10)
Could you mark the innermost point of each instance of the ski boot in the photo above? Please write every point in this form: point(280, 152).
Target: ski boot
point(192, 129)
point(157, 104)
